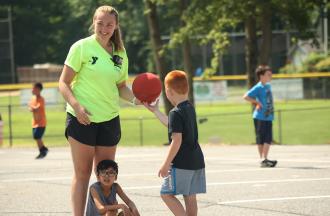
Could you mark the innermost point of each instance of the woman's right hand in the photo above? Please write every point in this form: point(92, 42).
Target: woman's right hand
point(82, 115)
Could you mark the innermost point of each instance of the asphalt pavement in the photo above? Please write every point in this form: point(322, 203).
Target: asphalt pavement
point(236, 185)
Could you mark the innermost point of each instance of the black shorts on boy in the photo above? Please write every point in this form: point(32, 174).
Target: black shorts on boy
point(264, 131)
point(106, 133)
point(38, 132)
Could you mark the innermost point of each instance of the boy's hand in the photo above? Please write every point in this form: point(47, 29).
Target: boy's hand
point(150, 107)
point(164, 171)
point(258, 105)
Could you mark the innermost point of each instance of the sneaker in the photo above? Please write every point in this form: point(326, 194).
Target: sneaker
point(274, 162)
point(268, 163)
point(43, 153)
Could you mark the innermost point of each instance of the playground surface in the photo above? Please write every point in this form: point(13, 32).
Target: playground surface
point(236, 185)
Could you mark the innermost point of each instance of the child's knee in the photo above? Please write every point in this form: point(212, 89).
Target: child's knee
point(166, 196)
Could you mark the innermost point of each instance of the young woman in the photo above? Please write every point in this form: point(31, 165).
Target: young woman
point(93, 78)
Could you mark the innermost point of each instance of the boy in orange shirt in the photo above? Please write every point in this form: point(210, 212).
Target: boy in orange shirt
point(37, 107)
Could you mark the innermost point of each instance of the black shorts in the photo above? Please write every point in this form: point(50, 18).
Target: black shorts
point(264, 131)
point(38, 132)
point(106, 133)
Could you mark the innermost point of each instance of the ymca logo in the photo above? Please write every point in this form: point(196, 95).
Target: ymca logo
point(94, 59)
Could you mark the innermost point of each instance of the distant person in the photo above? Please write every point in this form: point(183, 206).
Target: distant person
point(184, 168)
point(37, 107)
point(92, 82)
point(261, 97)
point(102, 194)
point(198, 71)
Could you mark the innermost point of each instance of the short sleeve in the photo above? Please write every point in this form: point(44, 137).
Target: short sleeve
point(253, 92)
point(175, 122)
point(124, 70)
point(74, 57)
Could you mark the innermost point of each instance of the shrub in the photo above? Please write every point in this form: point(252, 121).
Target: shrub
point(323, 65)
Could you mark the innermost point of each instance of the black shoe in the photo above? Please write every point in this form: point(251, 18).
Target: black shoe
point(43, 153)
point(274, 162)
point(268, 163)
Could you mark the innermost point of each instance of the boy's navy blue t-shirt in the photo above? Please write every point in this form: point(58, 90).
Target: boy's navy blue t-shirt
point(182, 119)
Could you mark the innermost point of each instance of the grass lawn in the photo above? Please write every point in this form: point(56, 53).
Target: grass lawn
point(228, 123)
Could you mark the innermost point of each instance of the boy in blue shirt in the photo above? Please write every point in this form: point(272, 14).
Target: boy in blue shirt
point(261, 97)
point(184, 168)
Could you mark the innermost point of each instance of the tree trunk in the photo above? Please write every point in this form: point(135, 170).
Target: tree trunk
point(251, 49)
point(156, 47)
point(266, 29)
point(186, 51)
point(188, 68)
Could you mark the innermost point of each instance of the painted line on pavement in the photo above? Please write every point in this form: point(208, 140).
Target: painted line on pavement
point(237, 183)
point(150, 174)
point(273, 199)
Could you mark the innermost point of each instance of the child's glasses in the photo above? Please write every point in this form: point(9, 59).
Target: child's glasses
point(107, 173)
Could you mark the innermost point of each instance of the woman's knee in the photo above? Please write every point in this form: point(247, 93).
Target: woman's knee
point(83, 174)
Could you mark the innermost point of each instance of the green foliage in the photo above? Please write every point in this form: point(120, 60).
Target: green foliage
point(315, 62)
point(312, 59)
point(298, 14)
point(44, 30)
point(288, 69)
point(323, 65)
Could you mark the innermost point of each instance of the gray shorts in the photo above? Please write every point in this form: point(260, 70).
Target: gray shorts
point(185, 182)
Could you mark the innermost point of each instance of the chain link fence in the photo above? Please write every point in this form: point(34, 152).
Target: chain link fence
point(291, 126)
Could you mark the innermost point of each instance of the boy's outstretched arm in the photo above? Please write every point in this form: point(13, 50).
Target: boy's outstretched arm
point(155, 109)
point(133, 210)
point(173, 150)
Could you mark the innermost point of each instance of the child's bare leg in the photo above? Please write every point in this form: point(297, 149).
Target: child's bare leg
point(265, 150)
point(173, 204)
point(111, 213)
point(260, 150)
point(191, 205)
point(40, 143)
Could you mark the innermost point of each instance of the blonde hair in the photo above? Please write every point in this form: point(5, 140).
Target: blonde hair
point(177, 80)
point(116, 38)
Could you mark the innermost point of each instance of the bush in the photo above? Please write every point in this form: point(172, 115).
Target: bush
point(289, 68)
point(312, 59)
point(323, 65)
point(313, 63)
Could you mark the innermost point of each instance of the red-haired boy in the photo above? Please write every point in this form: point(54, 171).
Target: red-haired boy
point(184, 168)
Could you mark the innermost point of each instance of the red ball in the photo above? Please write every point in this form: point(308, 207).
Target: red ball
point(147, 87)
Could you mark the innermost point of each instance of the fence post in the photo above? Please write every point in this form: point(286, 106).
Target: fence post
point(280, 126)
point(10, 126)
point(141, 130)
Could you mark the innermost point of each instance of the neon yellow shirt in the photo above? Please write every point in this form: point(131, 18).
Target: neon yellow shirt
point(97, 76)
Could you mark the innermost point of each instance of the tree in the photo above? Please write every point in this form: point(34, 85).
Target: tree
point(213, 18)
point(186, 52)
point(39, 31)
point(154, 32)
